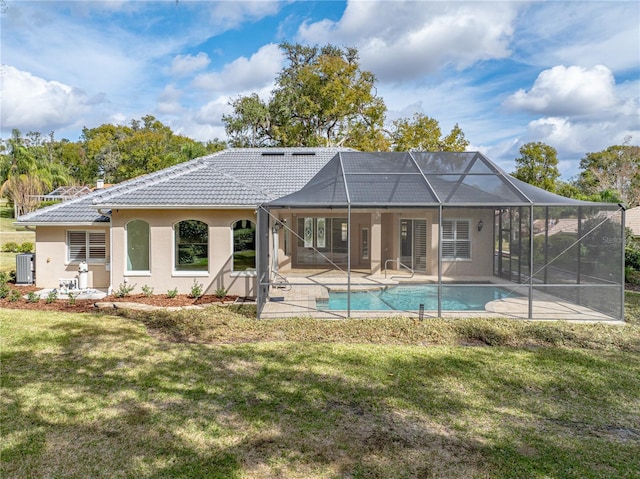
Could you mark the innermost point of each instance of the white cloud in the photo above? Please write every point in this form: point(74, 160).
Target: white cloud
point(102, 57)
point(574, 137)
point(204, 123)
point(211, 113)
point(404, 40)
point(244, 73)
point(580, 33)
point(169, 101)
point(31, 102)
point(567, 91)
point(118, 118)
point(230, 14)
point(183, 65)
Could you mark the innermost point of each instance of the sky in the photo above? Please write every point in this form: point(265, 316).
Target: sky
point(508, 73)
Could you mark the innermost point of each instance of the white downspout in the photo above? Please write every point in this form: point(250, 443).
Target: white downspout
point(108, 215)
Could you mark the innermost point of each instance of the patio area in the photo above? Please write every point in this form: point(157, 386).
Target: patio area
point(300, 294)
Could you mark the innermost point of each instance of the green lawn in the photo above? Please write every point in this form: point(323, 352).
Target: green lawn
point(98, 396)
point(8, 232)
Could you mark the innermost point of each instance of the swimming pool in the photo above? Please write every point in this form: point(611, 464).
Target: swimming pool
point(409, 297)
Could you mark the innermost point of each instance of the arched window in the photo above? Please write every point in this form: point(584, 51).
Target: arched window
point(191, 246)
point(137, 245)
point(244, 245)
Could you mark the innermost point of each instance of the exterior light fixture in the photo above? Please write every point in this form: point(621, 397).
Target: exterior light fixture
point(279, 224)
point(480, 225)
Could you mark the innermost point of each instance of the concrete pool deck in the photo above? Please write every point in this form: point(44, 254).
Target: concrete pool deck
point(298, 299)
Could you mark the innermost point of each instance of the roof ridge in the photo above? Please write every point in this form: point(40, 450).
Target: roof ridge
point(56, 206)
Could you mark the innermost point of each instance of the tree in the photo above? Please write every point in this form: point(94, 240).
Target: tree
point(615, 170)
point(250, 125)
point(538, 165)
point(29, 169)
point(24, 192)
point(121, 152)
point(321, 98)
point(423, 133)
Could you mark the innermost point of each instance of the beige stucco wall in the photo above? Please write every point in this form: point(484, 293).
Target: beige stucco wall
point(383, 226)
point(481, 263)
point(162, 276)
point(51, 257)
point(384, 234)
point(632, 220)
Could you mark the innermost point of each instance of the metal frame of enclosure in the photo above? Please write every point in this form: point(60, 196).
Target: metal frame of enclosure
point(544, 248)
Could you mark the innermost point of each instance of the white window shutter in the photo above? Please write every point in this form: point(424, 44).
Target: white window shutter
point(77, 245)
point(97, 246)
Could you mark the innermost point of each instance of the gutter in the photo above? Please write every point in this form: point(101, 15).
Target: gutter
point(28, 224)
point(173, 207)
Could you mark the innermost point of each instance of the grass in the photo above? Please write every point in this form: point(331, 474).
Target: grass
point(98, 396)
point(218, 325)
point(632, 307)
point(9, 232)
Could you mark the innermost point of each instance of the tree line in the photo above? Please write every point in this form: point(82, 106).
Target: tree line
point(610, 176)
point(32, 165)
point(321, 98)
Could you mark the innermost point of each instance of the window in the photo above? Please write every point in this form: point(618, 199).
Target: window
point(191, 246)
point(137, 245)
point(364, 243)
point(89, 246)
point(456, 240)
point(322, 240)
point(244, 245)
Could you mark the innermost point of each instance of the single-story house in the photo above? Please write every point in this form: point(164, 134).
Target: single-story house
point(245, 220)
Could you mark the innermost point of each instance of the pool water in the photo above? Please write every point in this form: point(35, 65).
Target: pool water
point(410, 297)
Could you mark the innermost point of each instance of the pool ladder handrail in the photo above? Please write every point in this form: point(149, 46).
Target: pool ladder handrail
point(280, 282)
point(400, 265)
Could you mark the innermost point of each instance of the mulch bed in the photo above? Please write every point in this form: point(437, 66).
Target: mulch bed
point(87, 305)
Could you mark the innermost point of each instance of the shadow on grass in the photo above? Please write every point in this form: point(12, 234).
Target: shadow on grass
point(97, 397)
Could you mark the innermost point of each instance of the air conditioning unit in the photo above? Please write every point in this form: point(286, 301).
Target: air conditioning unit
point(25, 268)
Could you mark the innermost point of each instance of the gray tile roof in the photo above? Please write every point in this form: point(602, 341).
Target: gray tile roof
point(76, 211)
point(233, 177)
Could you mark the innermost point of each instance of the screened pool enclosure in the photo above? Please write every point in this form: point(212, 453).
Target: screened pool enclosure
point(451, 233)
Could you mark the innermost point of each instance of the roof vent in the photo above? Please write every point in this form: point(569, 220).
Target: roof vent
point(273, 153)
point(304, 153)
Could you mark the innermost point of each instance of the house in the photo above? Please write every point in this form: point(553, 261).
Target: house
point(633, 220)
point(233, 219)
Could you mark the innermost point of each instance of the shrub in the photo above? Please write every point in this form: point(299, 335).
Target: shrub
point(32, 297)
point(10, 247)
point(172, 293)
point(26, 247)
point(4, 277)
point(124, 290)
point(14, 296)
point(196, 289)
point(220, 293)
point(632, 258)
point(44, 204)
point(147, 291)
point(4, 290)
point(631, 276)
point(72, 298)
point(52, 296)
